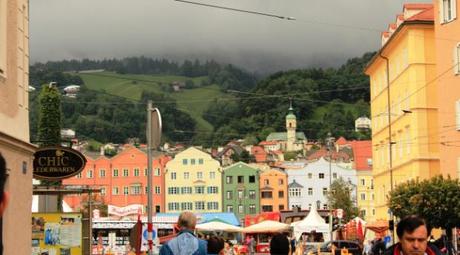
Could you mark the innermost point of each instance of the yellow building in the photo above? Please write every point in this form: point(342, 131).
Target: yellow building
point(14, 130)
point(193, 182)
point(409, 103)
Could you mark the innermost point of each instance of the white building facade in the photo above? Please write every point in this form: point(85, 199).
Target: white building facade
point(310, 183)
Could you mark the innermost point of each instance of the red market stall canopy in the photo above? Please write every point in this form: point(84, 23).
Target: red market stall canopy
point(268, 226)
point(379, 226)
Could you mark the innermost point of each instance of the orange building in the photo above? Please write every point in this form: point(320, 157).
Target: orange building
point(273, 190)
point(122, 179)
point(447, 43)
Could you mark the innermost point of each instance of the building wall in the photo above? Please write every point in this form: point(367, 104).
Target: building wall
point(415, 147)
point(249, 200)
point(315, 176)
point(14, 131)
point(366, 195)
point(104, 175)
point(448, 91)
point(175, 178)
point(274, 181)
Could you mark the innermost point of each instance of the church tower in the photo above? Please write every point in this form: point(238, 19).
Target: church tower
point(291, 124)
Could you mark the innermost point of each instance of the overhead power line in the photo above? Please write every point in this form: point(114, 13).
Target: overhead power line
point(238, 10)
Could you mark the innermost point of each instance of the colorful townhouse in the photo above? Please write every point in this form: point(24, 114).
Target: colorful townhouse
point(362, 163)
point(15, 143)
point(122, 179)
point(404, 103)
point(447, 44)
point(273, 190)
point(193, 182)
point(241, 190)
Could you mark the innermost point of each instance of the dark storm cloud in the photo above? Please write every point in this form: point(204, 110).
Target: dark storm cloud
point(325, 33)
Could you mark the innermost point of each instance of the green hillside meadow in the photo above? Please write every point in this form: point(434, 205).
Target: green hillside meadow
point(130, 86)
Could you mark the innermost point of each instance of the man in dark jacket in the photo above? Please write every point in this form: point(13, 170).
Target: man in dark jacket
point(413, 233)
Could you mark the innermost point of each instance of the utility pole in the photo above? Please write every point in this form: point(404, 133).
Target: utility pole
point(329, 145)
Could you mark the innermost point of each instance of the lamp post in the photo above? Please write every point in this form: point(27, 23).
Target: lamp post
point(329, 145)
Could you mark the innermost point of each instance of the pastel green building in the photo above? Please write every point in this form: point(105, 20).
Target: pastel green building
point(241, 190)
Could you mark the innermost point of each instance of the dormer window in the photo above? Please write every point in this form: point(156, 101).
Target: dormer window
point(448, 10)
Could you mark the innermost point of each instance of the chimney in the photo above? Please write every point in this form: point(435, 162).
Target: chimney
point(102, 151)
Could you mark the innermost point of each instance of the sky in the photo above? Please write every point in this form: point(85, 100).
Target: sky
point(324, 34)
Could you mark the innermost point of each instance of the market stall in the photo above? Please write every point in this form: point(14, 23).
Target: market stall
point(262, 232)
point(312, 223)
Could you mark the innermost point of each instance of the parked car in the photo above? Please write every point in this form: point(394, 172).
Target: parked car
point(352, 247)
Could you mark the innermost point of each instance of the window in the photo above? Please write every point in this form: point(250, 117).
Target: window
point(310, 191)
point(212, 175)
point(199, 175)
point(200, 161)
point(363, 213)
point(280, 181)
point(136, 171)
point(115, 172)
point(213, 190)
point(252, 194)
point(363, 196)
point(252, 179)
point(295, 192)
point(266, 182)
point(240, 194)
point(173, 175)
point(125, 172)
point(240, 208)
point(199, 205)
point(89, 174)
point(229, 208)
point(457, 113)
point(136, 189)
point(310, 175)
point(448, 11)
point(229, 179)
point(373, 211)
point(126, 190)
point(3, 40)
point(334, 175)
point(103, 191)
point(457, 59)
point(229, 194)
point(213, 206)
point(186, 175)
point(186, 206)
point(173, 206)
point(78, 176)
point(240, 179)
point(363, 182)
point(173, 190)
point(281, 207)
point(157, 172)
point(252, 209)
point(321, 175)
point(184, 161)
point(324, 191)
point(199, 190)
point(186, 190)
point(101, 173)
point(267, 208)
point(267, 194)
point(192, 161)
point(325, 206)
point(280, 194)
point(157, 190)
point(115, 191)
point(146, 190)
point(145, 172)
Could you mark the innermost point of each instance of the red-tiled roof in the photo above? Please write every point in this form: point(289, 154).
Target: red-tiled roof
point(324, 153)
point(362, 151)
point(259, 154)
point(426, 15)
point(342, 141)
point(267, 143)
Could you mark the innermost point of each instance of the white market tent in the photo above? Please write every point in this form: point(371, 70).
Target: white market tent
point(217, 226)
point(313, 222)
point(268, 226)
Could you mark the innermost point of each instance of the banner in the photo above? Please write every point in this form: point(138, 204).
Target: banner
point(124, 211)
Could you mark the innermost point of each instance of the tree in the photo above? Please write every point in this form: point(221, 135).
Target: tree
point(436, 199)
point(49, 116)
point(340, 197)
point(244, 157)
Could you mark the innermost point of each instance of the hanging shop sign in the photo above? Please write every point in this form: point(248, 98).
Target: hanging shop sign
point(57, 163)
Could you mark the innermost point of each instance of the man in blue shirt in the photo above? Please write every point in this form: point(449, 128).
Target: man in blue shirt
point(185, 243)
